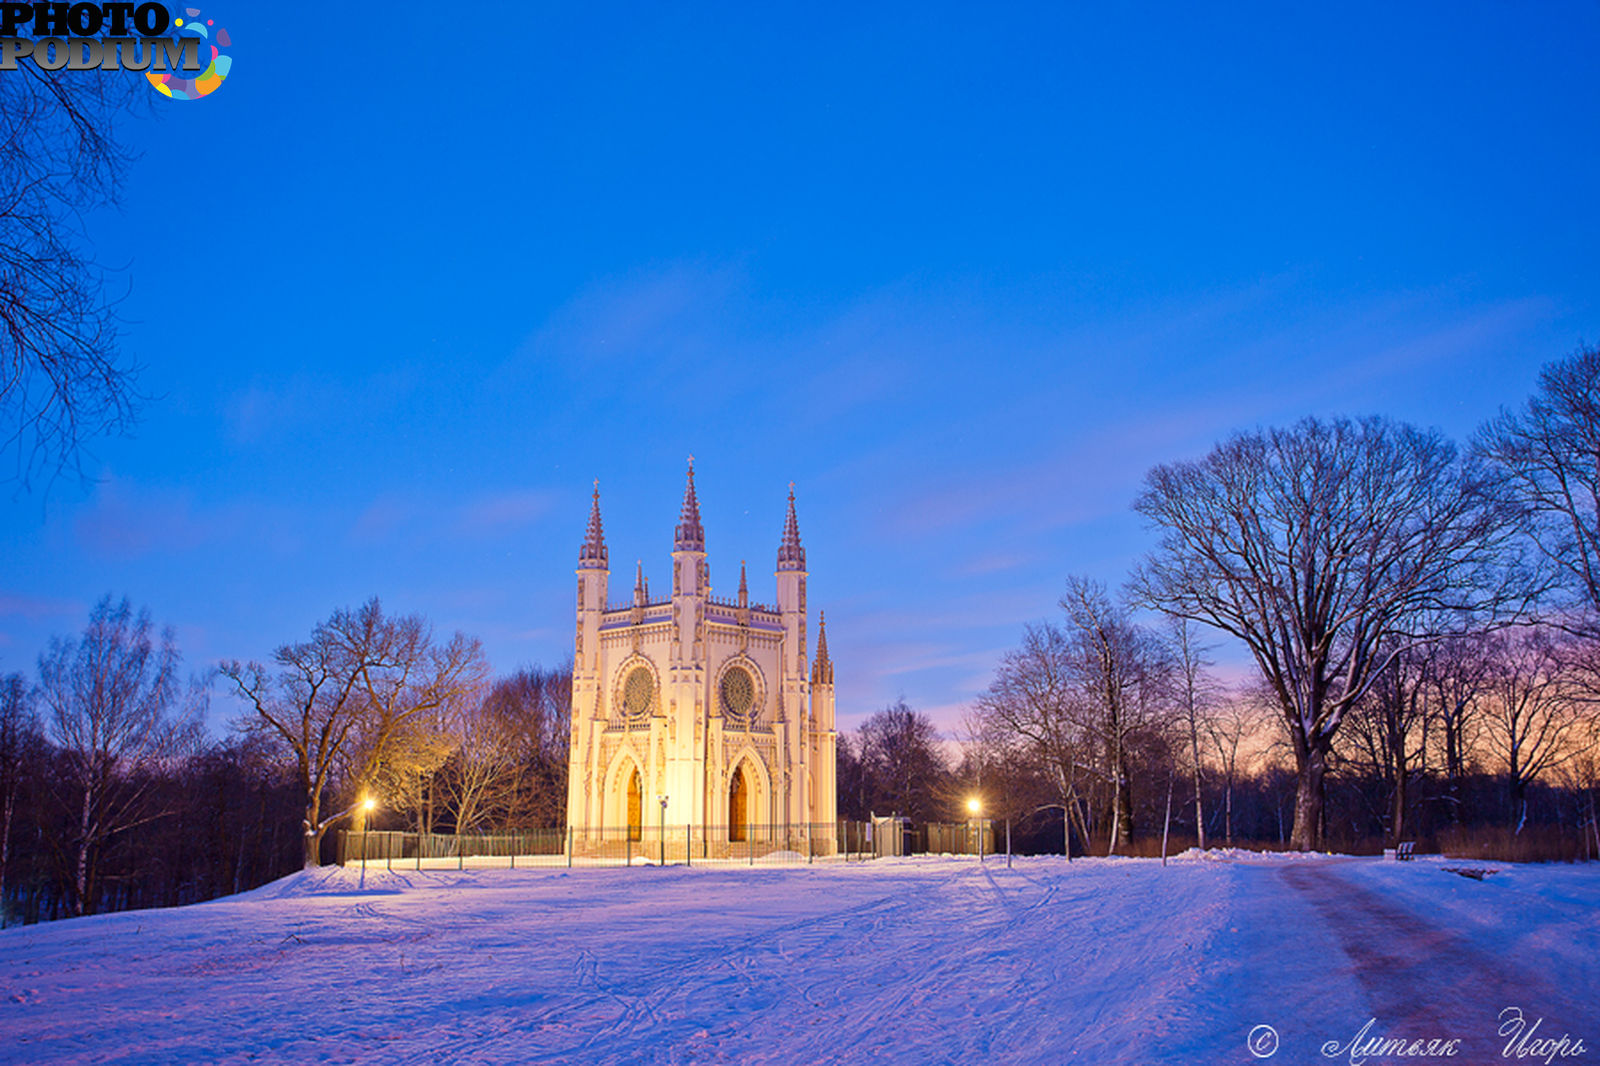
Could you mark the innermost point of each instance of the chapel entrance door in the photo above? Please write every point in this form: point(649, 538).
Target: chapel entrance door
point(635, 808)
point(738, 805)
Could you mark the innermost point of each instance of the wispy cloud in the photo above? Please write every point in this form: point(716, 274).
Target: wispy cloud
point(39, 608)
point(128, 520)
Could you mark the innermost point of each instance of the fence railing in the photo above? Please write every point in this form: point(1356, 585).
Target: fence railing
point(662, 843)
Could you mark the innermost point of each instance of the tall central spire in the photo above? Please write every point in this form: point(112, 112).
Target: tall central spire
point(592, 556)
point(691, 536)
point(791, 556)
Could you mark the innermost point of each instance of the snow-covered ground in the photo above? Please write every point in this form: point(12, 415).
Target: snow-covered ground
point(912, 960)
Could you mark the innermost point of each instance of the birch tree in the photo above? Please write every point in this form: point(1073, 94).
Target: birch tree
point(1194, 694)
point(1317, 547)
point(111, 700)
point(1119, 671)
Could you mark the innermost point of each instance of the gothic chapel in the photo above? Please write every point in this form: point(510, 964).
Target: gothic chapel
point(698, 717)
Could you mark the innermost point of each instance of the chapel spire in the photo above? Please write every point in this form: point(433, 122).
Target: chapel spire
point(592, 556)
point(822, 669)
point(791, 556)
point(691, 536)
point(744, 587)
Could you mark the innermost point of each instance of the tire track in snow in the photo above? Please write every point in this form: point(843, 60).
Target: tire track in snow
point(1425, 980)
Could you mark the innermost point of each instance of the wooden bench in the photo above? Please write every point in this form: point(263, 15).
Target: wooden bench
point(1403, 852)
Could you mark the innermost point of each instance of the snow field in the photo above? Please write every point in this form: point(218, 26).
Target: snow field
point(910, 960)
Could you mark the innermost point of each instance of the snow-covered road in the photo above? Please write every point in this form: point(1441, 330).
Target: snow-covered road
point(1113, 961)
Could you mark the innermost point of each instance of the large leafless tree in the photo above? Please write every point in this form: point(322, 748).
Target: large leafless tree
point(1549, 451)
point(62, 378)
point(1318, 547)
point(340, 699)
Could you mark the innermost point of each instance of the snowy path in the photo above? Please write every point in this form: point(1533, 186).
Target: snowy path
point(1425, 979)
point(906, 961)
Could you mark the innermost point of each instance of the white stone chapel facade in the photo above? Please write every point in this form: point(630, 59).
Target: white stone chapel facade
point(699, 714)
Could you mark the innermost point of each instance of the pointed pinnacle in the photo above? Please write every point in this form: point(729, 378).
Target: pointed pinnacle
point(593, 553)
point(691, 536)
point(791, 556)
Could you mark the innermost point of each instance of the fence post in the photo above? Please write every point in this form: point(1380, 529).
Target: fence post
point(1008, 843)
point(688, 845)
point(629, 835)
point(569, 847)
point(514, 837)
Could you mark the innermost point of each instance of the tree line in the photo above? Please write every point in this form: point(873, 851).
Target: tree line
point(1421, 620)
point(112, 795)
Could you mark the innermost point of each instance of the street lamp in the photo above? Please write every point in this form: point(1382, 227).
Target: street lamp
point(975, 807)
point(662, 799)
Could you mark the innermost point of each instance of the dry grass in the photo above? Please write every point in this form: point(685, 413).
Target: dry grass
point(1537, 844)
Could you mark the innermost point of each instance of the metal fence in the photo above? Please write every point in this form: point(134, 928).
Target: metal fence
point(663, 844)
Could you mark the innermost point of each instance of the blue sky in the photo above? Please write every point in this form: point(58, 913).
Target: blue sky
point(402, 290)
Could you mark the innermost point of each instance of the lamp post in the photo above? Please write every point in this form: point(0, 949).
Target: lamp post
point(662, 799)
point(975, 806)
point(363, 804)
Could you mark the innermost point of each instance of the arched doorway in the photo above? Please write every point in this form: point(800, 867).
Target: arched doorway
point(738, 805)
point(635, 807)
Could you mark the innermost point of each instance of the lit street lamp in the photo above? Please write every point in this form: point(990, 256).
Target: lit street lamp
point(975, 807)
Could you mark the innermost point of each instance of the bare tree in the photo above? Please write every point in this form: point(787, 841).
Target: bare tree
point(61, 378)
point(362, 677)
point(409, 777)
point(1318, 547)
point(112, 700)
point(900, 750)
point(1550, 454)
point(18, 730)
point(1530, 713)
point(535, 705)
point(1389, 726)
point(1231, 728)
point(400, 677)
point(1120, 671)
point(1034, 698)
point(483, 777)
point(1195, 694)
point(1460, 669)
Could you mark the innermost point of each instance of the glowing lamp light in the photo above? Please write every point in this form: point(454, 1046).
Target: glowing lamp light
point(974, 805)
